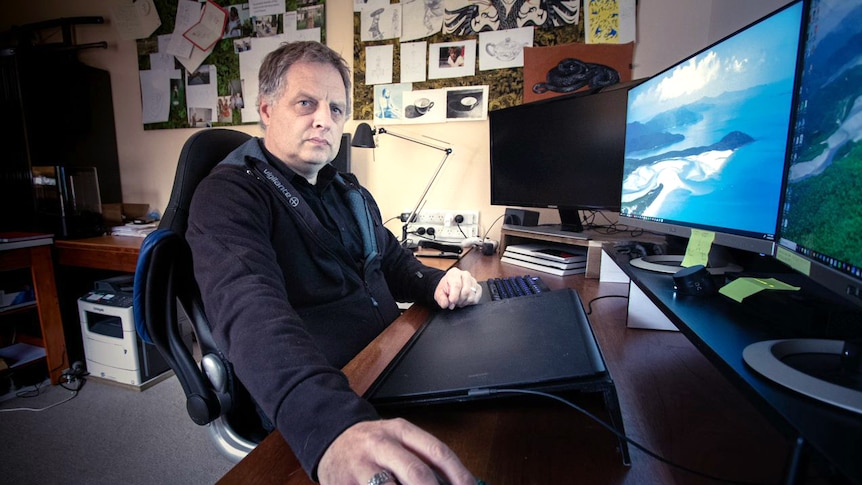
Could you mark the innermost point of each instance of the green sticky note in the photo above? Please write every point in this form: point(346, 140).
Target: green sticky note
point(740, 288)
point(697, 251)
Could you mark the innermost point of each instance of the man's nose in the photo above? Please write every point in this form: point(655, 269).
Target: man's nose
point(323, 116)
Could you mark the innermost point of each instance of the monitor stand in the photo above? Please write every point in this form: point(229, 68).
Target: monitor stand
point(570, 225)
point(570, 220)
point(794, 364)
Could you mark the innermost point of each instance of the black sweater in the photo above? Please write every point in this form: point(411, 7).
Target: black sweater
point(288, 304)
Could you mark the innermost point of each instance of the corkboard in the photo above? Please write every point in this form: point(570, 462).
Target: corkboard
point(224, 57)
point(506, 86)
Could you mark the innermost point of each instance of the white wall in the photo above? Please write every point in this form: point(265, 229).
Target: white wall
point(396, 172)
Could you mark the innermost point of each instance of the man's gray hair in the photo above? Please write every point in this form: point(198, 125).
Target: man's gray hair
point(271, 77)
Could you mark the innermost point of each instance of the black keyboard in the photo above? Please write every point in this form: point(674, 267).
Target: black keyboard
point(515, 286)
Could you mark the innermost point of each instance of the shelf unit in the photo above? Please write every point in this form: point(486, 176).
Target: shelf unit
point(36, 256)
point(511, 234)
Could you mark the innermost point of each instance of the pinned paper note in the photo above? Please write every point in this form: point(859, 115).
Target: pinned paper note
point(135, 19)
point(697, 251)
point(209, 28)
point(741, 288)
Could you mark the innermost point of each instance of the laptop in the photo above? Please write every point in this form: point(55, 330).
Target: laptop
point(540, 342)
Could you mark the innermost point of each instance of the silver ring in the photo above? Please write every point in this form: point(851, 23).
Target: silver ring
point(381, 477)
point(473, 289)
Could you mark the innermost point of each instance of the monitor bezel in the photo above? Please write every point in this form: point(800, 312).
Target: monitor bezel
point(846, 285)
point(569, 213)
point(726, 236)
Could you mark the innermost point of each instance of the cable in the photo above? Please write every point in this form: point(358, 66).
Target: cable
point(488, 231)
point(590, 304)
point(37, 410)
point(387, 221)
point(462, 230)
point(480, 392)
point(36, 391)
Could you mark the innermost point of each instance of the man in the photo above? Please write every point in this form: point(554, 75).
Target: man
point(292, 289)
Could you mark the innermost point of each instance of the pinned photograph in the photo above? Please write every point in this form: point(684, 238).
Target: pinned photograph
point(425, 106)
point(467, 104)
point(388, 102)
point(237, 18)
point(452, 59)
point(200, 117)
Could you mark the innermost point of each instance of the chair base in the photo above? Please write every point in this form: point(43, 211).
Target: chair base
point(233, 446)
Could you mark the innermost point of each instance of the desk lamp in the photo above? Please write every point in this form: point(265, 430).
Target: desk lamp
point(364, 138)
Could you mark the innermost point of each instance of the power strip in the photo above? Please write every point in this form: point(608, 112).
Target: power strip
point(443, 225)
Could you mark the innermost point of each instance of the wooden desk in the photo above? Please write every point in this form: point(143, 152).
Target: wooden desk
point(115, 253)
point(120, 253)
point(673, 401)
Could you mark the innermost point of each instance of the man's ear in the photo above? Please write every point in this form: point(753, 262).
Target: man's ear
point(265, 111)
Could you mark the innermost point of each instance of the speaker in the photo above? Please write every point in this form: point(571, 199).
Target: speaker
point(694, 281)
point(521, 217)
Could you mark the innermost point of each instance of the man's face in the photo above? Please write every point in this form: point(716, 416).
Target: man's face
point(304, 124)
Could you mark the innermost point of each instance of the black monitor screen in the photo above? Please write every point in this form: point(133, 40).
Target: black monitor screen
point(706, 140)
point(342, 159)
point(821, 225)
point(565, 152)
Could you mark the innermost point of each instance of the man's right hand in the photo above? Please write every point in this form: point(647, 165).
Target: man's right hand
point(411, 455)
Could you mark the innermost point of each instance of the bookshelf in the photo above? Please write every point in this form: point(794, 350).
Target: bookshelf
point(25, 253)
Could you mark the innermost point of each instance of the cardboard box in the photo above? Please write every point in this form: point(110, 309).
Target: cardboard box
point(118, 214)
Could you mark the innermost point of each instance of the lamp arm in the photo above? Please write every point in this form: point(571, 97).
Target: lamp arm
point(447, 151)
point(384, 131)
point(428, 187)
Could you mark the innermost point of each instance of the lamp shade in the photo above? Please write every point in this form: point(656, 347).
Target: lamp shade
point(364, 136)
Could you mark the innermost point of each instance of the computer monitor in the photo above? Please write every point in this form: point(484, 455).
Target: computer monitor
point(564, 153)
point(821, 223)
point(706, 139)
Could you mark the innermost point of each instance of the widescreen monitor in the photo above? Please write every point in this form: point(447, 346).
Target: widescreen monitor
point(821, 223)
point(564, 153)
point(706, 139)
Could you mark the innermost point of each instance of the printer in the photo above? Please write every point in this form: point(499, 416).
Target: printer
point(112, 347)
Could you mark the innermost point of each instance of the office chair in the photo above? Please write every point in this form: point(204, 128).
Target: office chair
point(164, 284)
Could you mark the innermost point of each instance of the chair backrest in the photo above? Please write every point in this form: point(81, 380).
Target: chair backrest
point(164, 283)
point(201, 152)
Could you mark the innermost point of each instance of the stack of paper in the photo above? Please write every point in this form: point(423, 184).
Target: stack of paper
point(557, 259)
point(137, 230)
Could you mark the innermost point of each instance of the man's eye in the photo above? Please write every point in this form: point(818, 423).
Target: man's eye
point(305, 106)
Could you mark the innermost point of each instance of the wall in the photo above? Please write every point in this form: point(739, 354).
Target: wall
point(396, 172)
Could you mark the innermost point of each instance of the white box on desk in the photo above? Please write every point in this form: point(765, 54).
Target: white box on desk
point(642, 313)
point(610, 272)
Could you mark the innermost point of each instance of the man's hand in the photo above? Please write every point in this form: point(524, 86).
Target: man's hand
point(409, 454)
point(457, 289)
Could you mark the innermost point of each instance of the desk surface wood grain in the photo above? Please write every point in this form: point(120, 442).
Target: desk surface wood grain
point(115, 253)
point(120, 253)
point(674, 403)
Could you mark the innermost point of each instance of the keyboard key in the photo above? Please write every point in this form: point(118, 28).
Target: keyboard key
point(515, 286)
